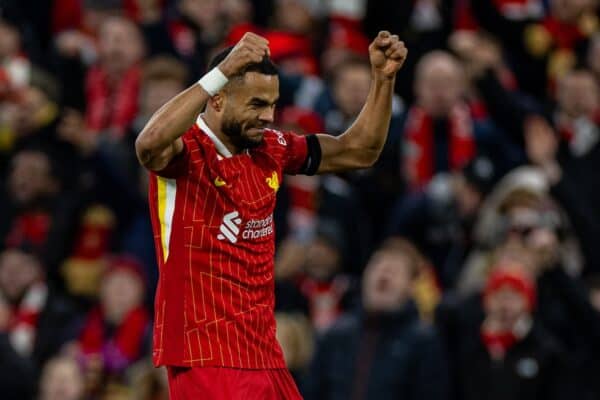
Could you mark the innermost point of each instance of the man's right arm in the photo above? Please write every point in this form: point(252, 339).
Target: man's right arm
point(160, 140)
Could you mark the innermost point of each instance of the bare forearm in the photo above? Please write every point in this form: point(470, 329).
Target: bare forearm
point(369, 132)
point(361, 144)
point(170, 122)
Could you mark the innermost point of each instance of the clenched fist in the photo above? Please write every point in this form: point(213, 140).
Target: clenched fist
point(250, 49)
point(387, 54)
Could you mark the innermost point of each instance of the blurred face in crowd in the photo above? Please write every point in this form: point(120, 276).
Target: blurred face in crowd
point(61, 380)
point(121, 292)
point(529, 227)
point(30, 178)
point(351, 87)
point(18, 271)
point(237, 11)
point(157, 92)
point(578, 94)
point(33, 111)
point(120, 44)
point(203, 13)
point(387, 283)
point(293, 16)
point(9, 40)
point(322, 259)
point(247, 107)
point(506, 306)
point(439, 83)
point(468, 198)
point(570, 10)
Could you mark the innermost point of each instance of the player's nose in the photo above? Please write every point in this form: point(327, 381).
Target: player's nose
point(267, 115)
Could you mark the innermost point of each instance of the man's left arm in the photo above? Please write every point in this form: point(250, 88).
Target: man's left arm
point(361, 144)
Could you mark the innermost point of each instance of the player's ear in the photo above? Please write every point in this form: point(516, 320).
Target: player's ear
point(216, 101)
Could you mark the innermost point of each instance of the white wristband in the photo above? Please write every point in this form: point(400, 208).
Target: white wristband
point(213, 81)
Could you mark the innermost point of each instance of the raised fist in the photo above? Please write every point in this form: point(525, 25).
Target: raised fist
point(250, 49)
point(387, 54)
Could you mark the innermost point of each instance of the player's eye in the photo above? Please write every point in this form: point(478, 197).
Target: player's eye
point(258, 103)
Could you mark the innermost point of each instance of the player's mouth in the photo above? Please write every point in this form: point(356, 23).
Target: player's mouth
point(255, 132)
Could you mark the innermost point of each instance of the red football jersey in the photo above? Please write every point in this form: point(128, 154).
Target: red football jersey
point(212, 217)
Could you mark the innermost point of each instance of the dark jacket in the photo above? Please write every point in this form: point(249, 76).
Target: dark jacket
point(432, 222)
point(17, 374)
point(56, 326)
point(387, 357)
point(535, 368)
point(532, 369)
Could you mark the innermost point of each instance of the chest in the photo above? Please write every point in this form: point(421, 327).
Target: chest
point(235, 196)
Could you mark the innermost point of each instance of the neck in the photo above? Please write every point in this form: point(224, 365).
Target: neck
point(214, 124)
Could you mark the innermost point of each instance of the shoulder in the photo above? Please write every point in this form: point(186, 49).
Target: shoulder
point(282, 144)
point(191, 135)
point(276, 138)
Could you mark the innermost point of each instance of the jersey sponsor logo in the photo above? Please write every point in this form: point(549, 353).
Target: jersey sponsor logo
point(219, 182)
point(280, 138)
point(230, 227)
point(252, 230)
point(258, 228)
point(273, 181)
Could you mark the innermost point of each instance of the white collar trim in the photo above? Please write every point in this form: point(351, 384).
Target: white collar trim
point(221, 148)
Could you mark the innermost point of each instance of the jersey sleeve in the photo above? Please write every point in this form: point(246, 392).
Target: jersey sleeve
point(295, 152)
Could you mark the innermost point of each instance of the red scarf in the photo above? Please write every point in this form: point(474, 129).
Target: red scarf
point(127, 337)
point(565, 36)
point(567, 129)
point(22, 326)
point(498, 343)
point(31, 227)
point(111, 107)
point(419, 143)
point(325, 299)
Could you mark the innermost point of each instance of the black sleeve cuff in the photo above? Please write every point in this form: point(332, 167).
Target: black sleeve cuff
point(313, 156)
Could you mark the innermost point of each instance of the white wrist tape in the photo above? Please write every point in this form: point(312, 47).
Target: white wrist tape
point(213, 81)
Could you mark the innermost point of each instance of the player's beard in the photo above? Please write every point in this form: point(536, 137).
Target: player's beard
point(235, 132)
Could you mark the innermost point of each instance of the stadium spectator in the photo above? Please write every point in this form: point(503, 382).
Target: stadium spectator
point(116, 332)
point(508, 355)
point(324, 282)
point(563, 144)
point(39, 320)
point(440, 219)
point(112, 85)
point(384, 351)
point(443, 132)
point(37, 214)
point(17, 373)
point(61, 379)
point(541, 48)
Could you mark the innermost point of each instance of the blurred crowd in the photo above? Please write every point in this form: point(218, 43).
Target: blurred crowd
point(463, 265)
